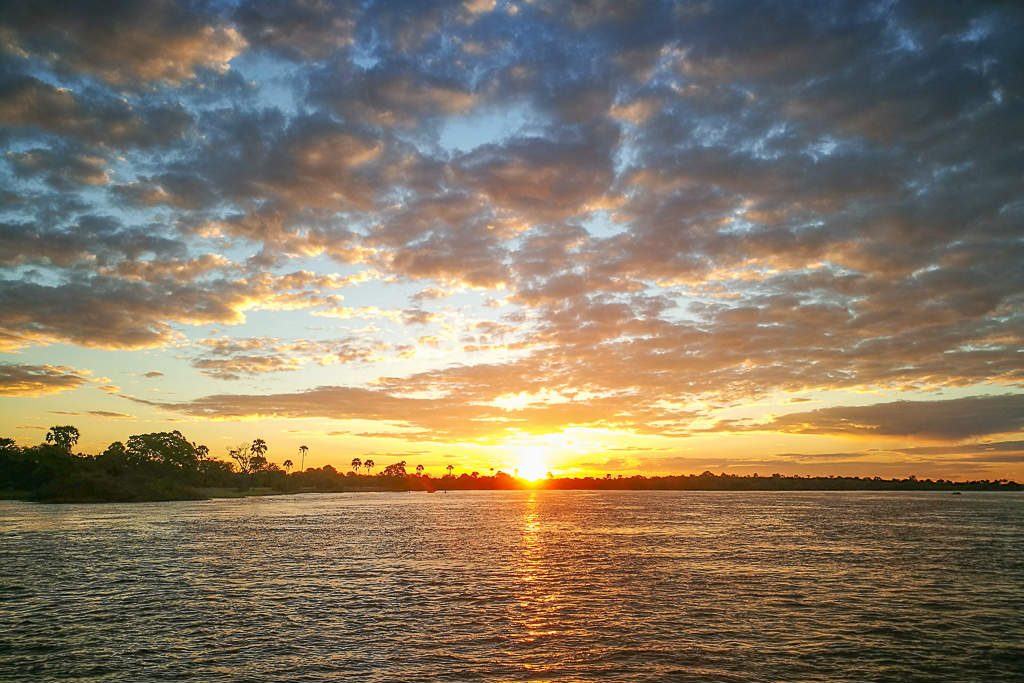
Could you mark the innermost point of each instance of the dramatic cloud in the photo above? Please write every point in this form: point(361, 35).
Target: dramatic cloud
point(957, 418)
point(62, 169)
point(482, 219)
point(30, 106)
point(229, 359)
point(123, 43)
point(108, 312)
point(37, 380)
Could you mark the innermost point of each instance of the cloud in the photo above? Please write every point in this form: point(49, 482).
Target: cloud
point(540, 178)
point(39, 380)
point(232, 358)
point(390, 94)
point(62, 169)
point(110, 414)
point(109, 312)
point(951, 419)
point(462, 403)
point(297, 30)
point(179, 190)
point(125, 44)
point(454, 238)
point(679, 206)
point(29, 105)
point(981, 450)
point(96, 239)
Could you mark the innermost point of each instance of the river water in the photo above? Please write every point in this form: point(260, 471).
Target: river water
point(517, 586)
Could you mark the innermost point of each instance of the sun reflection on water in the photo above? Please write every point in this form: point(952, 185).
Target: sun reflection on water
point(527, 586)
point(536, 613)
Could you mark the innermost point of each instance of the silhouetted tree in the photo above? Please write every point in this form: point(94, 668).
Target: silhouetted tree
point(419, 470)
point(395, 470)
point(356, 464)
point(302, 452)
point(216, 473)
point(115, 450)
point(369, 464)
point(166, 466)
point(258, 459)
point(242, 456)
point(166, 448)
point(287, 465)
point(63, 437)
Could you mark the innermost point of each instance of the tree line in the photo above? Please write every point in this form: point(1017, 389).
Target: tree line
point(167, 466)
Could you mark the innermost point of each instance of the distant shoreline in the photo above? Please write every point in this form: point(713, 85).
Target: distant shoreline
point(166, 466)
point(751, 484)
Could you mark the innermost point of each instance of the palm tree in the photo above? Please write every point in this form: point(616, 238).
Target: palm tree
point(287, 465)
point(369, 465)
point(450, 468)
point(419, 470)
point(302, 451)
point(356, 464)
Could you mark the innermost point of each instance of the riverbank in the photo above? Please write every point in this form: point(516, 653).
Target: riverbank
point(166, 466)
point(501, 482)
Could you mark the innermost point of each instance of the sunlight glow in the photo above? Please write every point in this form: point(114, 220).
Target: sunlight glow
point(532, 463)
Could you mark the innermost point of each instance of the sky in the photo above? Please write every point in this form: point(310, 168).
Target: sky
point(584, 237)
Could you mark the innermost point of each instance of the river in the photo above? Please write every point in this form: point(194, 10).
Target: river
point(517, 586)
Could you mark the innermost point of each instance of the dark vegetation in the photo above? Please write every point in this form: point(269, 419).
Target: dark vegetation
point(167, 466)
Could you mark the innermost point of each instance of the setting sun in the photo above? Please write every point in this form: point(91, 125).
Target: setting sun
point(512, 339)
point(532, 463)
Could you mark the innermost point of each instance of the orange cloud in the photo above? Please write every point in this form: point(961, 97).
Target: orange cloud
point(39, 380)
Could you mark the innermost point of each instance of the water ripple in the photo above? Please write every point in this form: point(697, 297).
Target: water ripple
point(517, 586)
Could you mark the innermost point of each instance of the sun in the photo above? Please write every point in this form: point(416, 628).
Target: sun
point(532, 463)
